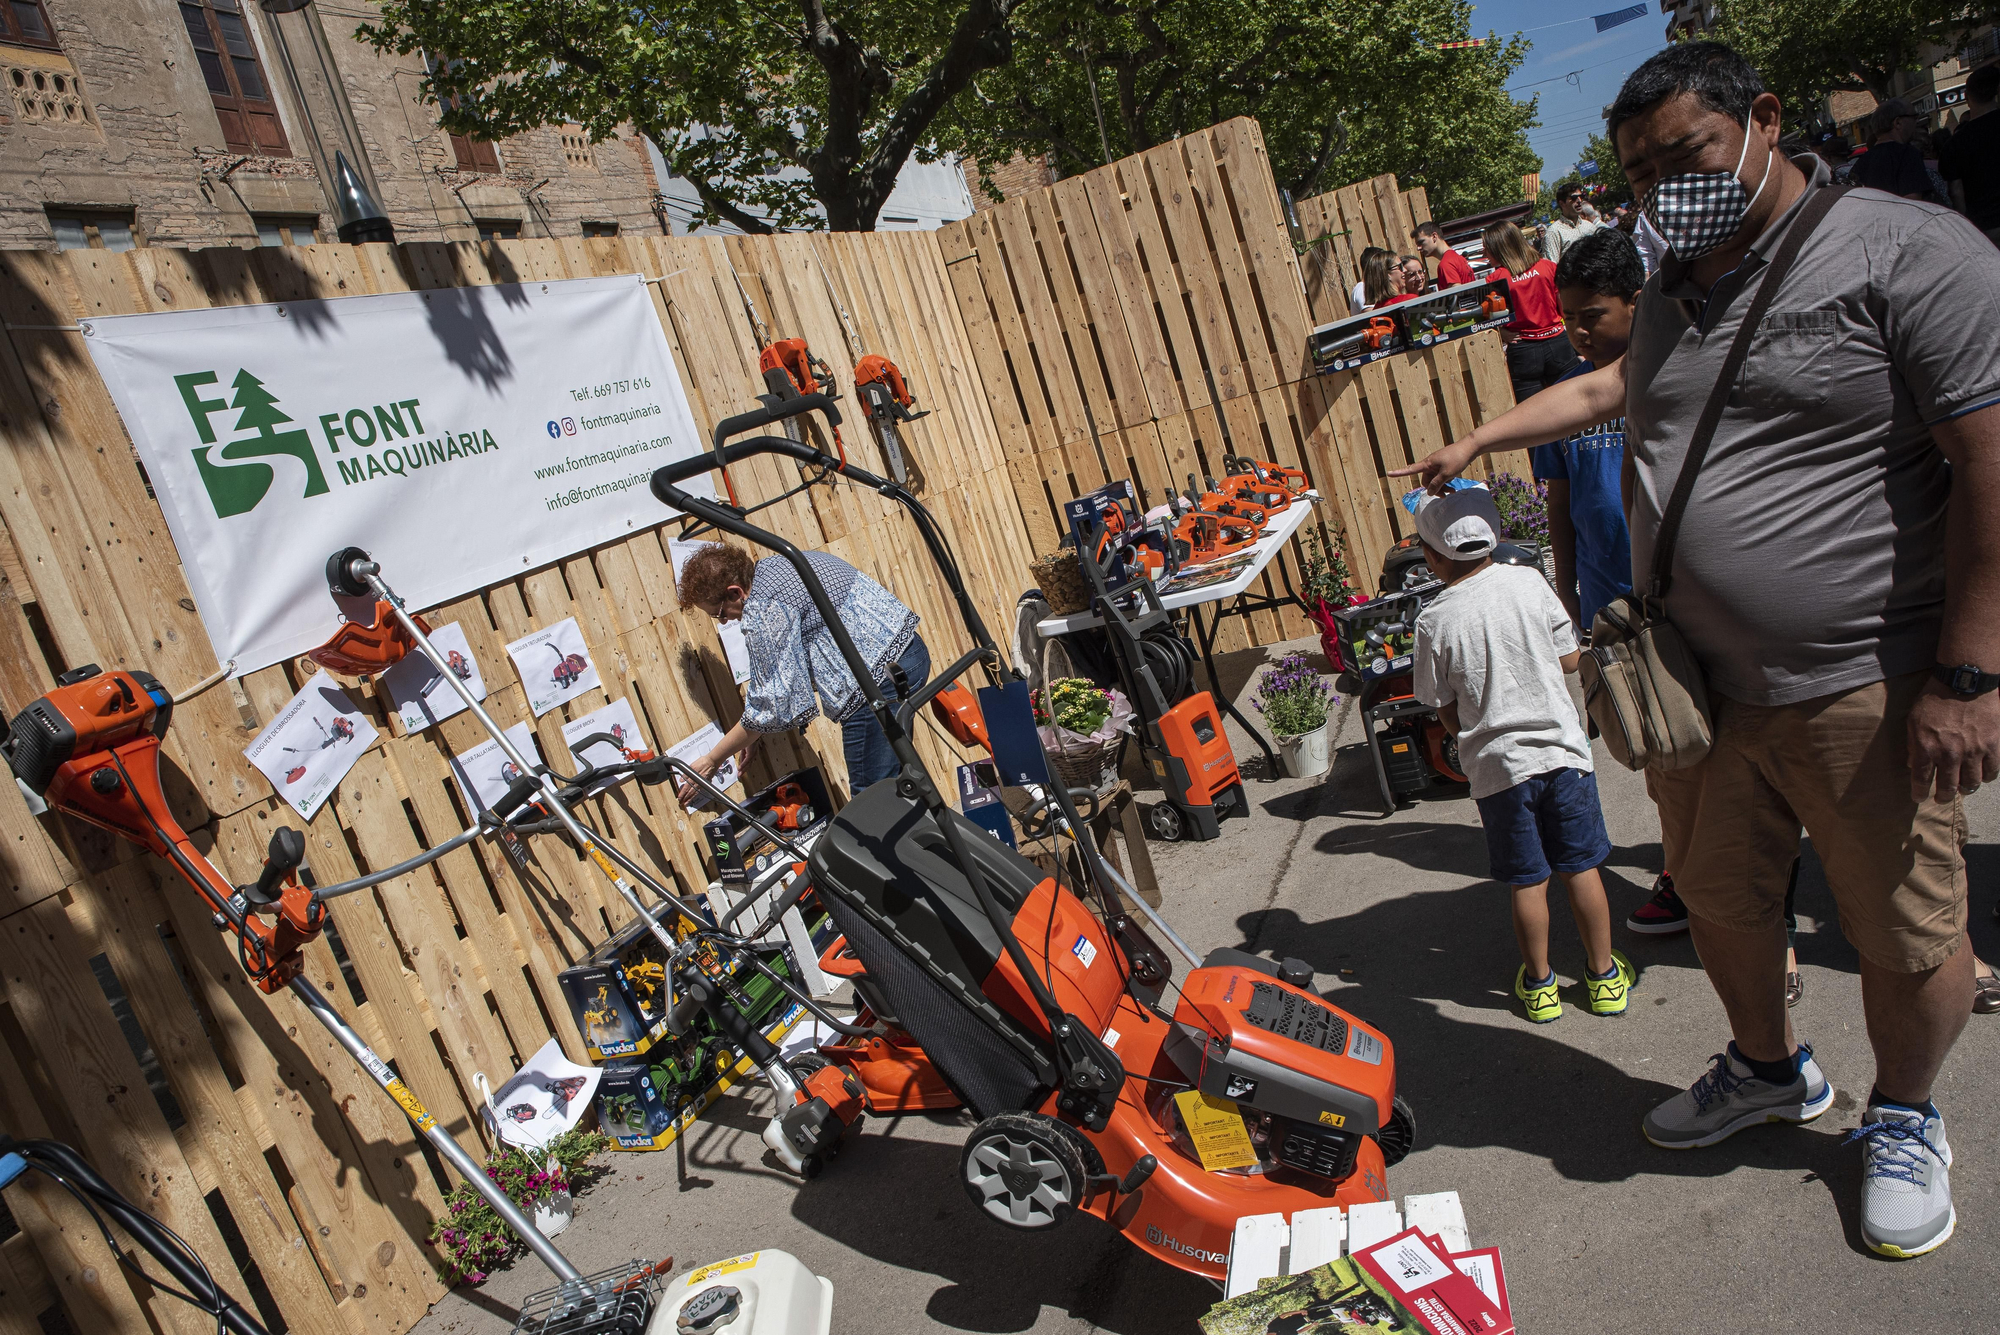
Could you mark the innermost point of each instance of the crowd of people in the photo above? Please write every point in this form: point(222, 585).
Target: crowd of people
point(1832, 561)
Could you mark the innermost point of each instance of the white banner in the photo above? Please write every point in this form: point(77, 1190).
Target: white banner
point(460, 436)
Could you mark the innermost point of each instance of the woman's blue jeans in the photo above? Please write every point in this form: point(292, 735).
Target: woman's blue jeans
point(869, 759)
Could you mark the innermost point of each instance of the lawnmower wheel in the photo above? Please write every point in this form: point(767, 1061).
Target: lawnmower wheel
point(1024, 1170)
point(1165, 821)
point(1399, 1137)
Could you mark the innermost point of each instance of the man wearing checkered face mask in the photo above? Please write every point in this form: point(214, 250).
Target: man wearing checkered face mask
point(1833, 565)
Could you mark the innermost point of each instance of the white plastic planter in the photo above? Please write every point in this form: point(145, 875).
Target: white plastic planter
point(554, 1214)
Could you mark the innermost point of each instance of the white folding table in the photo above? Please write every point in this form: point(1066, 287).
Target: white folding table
point(1236, 592)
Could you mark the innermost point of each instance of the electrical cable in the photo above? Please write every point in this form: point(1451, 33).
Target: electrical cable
point(69, 1170)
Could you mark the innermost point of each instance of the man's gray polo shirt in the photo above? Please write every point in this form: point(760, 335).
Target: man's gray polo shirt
point(1811, 556)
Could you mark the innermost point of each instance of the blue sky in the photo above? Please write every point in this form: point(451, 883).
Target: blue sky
point(1570, 112)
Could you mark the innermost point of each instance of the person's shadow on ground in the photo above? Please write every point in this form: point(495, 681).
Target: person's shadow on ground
point(1418, 963)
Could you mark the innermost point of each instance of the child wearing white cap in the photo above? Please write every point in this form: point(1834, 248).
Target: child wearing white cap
point(1491, 651)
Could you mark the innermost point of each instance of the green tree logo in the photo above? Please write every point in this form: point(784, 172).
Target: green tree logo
point(236, 487)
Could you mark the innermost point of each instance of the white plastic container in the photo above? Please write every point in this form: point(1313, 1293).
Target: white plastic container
point(760, 1293)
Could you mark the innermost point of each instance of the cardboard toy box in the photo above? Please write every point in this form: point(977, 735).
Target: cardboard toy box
point(742, 853)
point(643, 1106)
point(618, 996)
point(1378, 636)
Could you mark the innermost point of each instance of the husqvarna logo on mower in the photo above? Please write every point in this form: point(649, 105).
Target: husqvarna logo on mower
point(1159, 1238)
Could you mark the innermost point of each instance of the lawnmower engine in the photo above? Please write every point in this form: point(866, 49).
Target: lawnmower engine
point(1309, 1081)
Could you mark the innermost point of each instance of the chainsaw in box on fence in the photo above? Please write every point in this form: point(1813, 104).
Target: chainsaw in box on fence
point(794, 806)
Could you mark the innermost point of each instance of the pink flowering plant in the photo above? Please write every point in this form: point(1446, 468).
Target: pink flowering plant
point(472, 1238)
point(1294, 699)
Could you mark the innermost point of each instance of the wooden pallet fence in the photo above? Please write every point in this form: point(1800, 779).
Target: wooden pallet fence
point(126, 1025)
point(1145, 318)
point(1114, 311)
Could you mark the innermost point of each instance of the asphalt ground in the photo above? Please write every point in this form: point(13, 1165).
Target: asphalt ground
point(1535, 1126)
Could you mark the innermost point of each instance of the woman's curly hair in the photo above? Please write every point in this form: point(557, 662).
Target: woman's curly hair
point(706, 577)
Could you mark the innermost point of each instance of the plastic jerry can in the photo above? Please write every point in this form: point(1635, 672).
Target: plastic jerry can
point(759, 1293)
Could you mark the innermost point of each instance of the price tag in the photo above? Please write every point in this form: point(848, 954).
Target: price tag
point(1220, 1138)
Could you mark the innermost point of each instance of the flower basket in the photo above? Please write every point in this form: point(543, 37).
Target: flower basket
point(555, 1212)
point(1060, 579)
point(1092, 765)
point(1079, 723)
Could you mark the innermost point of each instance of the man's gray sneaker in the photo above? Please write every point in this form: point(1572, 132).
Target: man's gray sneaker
point(1730, 1097)
point(1906, 1205)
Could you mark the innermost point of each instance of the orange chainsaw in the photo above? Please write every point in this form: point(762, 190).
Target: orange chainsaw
point(790, 370)
point(1293, 480)
point(886, 401)
point(1204, 536)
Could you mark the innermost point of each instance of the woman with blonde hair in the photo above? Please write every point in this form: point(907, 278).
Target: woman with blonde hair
point(1537, 353)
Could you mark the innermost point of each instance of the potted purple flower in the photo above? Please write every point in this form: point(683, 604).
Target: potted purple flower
point(1296, 702)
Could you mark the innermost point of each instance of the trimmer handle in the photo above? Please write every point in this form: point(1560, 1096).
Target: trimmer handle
point(686, 1006)
point(517, 792)
point(285, 852)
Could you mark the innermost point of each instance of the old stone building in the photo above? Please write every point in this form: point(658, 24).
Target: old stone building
point(212, 122)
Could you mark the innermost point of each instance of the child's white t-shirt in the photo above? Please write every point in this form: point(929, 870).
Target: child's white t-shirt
point(1492, 644)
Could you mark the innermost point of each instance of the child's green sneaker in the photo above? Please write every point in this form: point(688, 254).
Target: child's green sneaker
point(1610, 996)
point(1540, 998)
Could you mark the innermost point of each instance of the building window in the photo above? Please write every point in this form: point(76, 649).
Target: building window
point(282, 231)
point(576, 148)
point(475, 155)
point(26, 23)
point(600, 229)
point(220, 32)
point(497, 230)
point(468, 154)
point(77, 229)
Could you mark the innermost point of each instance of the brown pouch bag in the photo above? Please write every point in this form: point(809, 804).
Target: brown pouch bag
point(1641, 683)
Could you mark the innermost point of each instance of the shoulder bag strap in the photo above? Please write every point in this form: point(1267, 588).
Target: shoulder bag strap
point(1803, 225)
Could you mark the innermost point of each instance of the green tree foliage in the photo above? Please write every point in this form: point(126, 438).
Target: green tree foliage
point(731, 90)
point(1808, 48)
point(1344, 89)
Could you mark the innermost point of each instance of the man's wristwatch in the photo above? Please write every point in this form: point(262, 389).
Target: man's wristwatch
point(1966, 681)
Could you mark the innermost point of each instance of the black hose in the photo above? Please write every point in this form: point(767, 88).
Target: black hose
point(63, 1164)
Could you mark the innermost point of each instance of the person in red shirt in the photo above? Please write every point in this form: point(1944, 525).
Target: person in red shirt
point(1382, 279)
point(1451, 266)
point(1537, 353)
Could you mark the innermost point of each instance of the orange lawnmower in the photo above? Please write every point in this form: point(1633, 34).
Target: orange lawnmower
point(1101, 1084)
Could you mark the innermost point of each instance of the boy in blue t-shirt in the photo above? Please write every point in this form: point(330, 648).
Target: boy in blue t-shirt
point(1598, 282)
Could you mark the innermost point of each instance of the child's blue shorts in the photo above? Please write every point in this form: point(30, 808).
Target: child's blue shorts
point(1548, 823)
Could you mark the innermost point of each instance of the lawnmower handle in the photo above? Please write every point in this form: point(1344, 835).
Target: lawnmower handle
point(776, 412)
point(784, 904)
point(667, 477)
